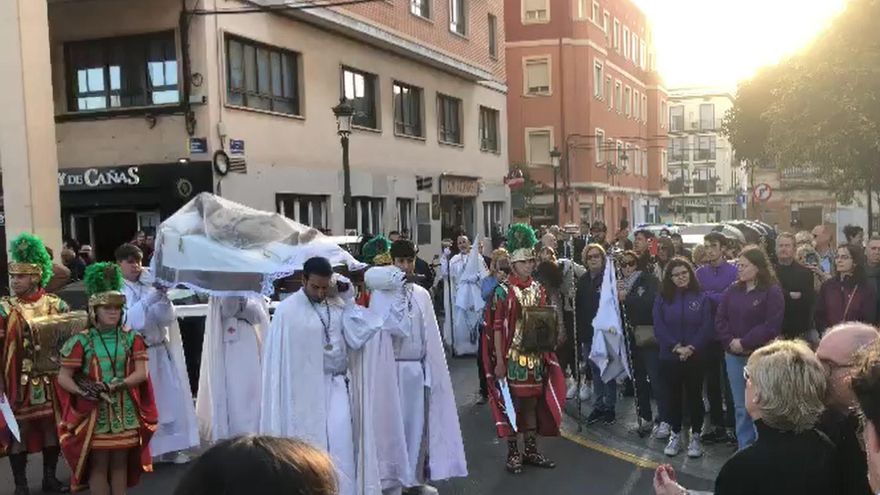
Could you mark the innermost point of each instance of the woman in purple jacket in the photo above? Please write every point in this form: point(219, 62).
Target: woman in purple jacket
point(847, 296)
point(683, 328)
point(748, 318)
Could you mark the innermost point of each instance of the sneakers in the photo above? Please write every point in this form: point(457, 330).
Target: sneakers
point(662, 431)
point(608, 418)
point(695, 448)
point(673, 447)
point(715, 435)
point(585, 391)
point(595, 416)
point(571, 389)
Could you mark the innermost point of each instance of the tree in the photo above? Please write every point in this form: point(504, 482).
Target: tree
point(820, 107)
point(522, 196)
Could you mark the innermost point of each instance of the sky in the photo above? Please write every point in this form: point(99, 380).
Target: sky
point(717, 43)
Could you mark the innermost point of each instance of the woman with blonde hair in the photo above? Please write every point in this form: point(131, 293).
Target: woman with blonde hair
point(785, 391)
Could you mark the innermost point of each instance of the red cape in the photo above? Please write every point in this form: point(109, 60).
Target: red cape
point(79, 416)
point(502, 315)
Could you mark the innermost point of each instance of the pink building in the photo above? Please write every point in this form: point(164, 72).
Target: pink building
point(582, 79)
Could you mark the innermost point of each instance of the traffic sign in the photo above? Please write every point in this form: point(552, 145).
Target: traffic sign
point(763, 192)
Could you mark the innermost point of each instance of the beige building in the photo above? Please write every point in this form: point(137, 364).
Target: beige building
point(145, 96)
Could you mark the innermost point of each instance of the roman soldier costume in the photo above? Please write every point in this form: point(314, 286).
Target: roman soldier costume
point(29, 376)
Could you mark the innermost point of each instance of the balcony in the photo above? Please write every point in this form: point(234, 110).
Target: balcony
point(801, 175)
point(679, 124)
point(678, 186)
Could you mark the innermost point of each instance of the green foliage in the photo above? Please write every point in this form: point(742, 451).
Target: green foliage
point(103, 277)
point(520, 236)
point(522, 196)
point(28, 248)
point(820, 107)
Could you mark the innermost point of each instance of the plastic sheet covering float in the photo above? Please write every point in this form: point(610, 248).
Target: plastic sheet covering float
point(223, 248)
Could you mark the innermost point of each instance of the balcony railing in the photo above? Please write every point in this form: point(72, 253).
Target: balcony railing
point(678, 186)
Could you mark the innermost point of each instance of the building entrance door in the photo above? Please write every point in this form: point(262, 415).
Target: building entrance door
point(457, 216)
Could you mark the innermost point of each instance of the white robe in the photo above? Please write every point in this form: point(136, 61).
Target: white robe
point(151, 313)
point(609, 350)
point(427, 403)
point(305, 392)
point(229, 379)
point(457, 334)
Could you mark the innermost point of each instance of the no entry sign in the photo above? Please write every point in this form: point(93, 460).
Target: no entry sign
point(763, 192)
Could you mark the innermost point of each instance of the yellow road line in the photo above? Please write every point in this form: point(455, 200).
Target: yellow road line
point(619, 454)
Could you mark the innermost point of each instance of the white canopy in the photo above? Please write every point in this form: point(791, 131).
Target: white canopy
point(224, 248)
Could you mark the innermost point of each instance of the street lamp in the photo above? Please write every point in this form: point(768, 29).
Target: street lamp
point(344, 113)
point(555, 156)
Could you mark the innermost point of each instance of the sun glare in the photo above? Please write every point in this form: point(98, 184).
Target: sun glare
point(720, 42)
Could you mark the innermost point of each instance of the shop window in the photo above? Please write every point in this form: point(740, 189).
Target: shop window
point(449, 119)
point(407, 110)
point(405, 216)
point(262, 77)
point(489, 129)
point(309, 210)
point(492, 217)
point(423, 219)
point(369, 214)
point(125, 72)
point(359, 88)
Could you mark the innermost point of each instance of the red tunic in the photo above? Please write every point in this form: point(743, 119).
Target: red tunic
point(79, 416)
point(551, 389)
point(32, 403)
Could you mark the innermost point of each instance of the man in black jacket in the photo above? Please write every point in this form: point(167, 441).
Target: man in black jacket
point(798, 289)
point(589, 287)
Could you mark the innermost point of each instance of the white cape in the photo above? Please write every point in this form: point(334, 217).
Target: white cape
point(458, 333)
point(445, 449)
point(469, 302)
point(152, 315)
point(230, 374)
point(609, 350)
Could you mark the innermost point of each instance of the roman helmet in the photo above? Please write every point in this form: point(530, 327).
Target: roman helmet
point(103, 283)
point(377, 251)
point(521, 242)
point(30, 257)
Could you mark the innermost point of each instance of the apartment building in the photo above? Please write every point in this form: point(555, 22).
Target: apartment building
point(706, 182)
point(583, 81)
point(147, 94)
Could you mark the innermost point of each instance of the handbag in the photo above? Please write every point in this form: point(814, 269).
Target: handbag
point(643, 335)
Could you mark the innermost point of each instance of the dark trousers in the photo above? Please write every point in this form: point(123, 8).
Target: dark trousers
point(565, 352)
point(718, 388)
point(484, 387)
point(683, 378)
point(646, 375)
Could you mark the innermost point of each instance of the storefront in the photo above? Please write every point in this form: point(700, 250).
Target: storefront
point(104, 207)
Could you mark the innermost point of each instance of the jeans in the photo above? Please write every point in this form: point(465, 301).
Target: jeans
point(604, 393)
point(745, 427)
point(687, 378)
point(646, 375)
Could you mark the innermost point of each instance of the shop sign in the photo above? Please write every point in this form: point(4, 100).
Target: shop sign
point(459, 186)
point(198, 146)
point(99, 178)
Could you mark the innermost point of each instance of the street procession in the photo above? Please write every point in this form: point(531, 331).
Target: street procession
point(458, 247)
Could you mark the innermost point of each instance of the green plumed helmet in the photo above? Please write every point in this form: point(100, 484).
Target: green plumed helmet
point(103, 277)
point(375, 247)
point(28, 249)
point(520, 236)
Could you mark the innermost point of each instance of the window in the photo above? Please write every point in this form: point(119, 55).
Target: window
point(616, 36)
point(618, 97)
point(645, 162)
point(635, 49)
point(642, 54)
point(664, 116)
point(637, 105)
point(678, 149)
point(605, 23)
point(626, 42)
point(134, 71)
point(664, 163)
point(676, 118)
point(369, 212)
point(262, 77)
point(405, 216)
point(608, 92)
point(705, 147)
point(581, 9)
point(492, 216)
point(457, 16)
point(535, 11)
point(600, 145)
point(538, 143)
point(407, 109)
point(707, 117)
point(598, 80)
point(309, 210)
point(449, 119)
point(423, 220)
point(629, 161)
point(595, 13)
point(421, 8)
point(493, 36)
point(644, 108)
point(627, 101)
point(618, 152)
point(704, 180)
point(359, 88)
point(537, 76)
point(489, 129)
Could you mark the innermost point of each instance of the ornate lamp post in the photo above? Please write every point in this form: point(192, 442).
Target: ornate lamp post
point(344, 113)
point(555, 156)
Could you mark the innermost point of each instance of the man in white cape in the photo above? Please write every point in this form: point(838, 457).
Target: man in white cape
point(427, 410)
point(321, 379)
point(458, 333)
point(150, 312)
point(231, 372)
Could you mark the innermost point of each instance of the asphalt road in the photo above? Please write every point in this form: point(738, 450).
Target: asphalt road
point(581, 469)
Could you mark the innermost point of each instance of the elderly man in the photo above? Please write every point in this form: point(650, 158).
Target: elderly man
point(837, 351)
point(822, 241)
point(866, 385)
point(797, 287)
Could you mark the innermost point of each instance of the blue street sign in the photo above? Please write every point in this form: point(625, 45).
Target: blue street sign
point(198, 145)
point(236, 146)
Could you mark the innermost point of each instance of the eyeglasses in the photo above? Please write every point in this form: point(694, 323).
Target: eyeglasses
point(680, 274)
point(843, 257)
point(630, 263)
